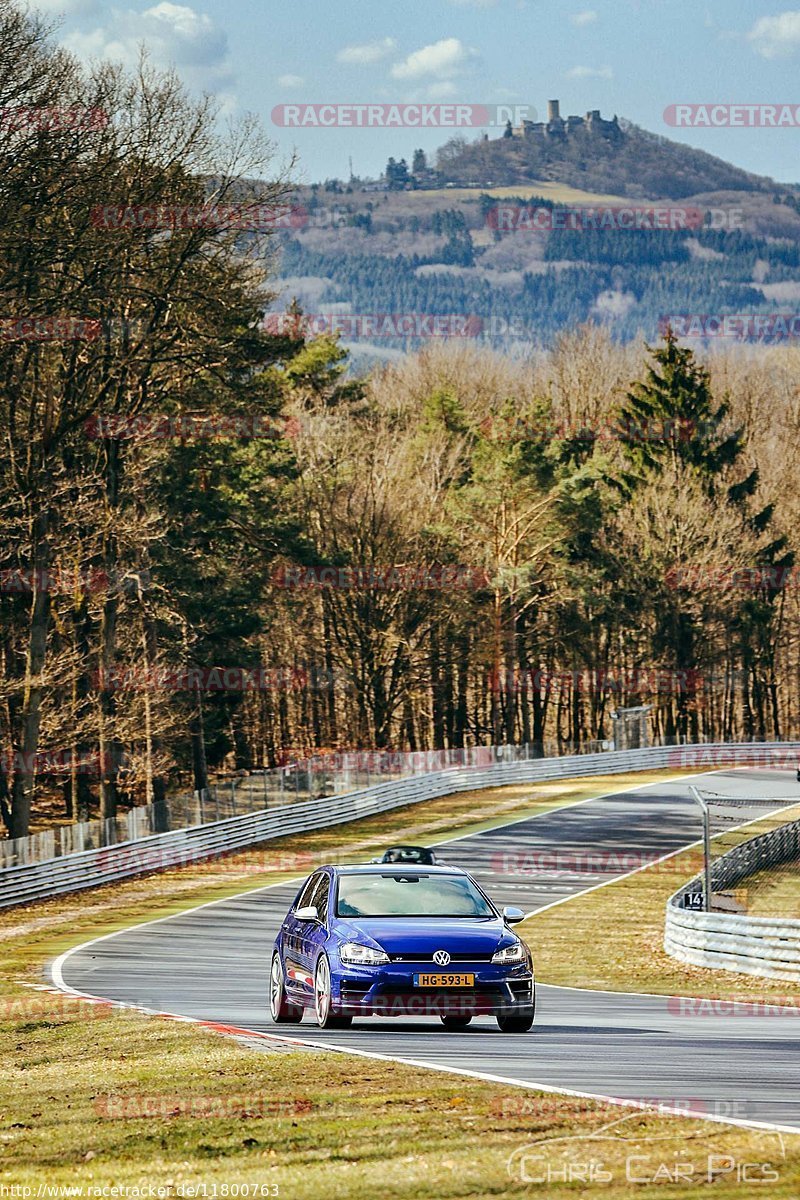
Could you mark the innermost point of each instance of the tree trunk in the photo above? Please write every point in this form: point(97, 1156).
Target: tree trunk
point(30, 713)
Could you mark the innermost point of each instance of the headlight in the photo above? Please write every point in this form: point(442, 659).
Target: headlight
point(514, 953)
point(364, 956)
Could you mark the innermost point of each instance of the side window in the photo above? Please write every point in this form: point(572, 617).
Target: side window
point(305, 896)
point(320, 897)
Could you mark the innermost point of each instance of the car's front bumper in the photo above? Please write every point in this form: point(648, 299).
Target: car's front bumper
point(389, 990)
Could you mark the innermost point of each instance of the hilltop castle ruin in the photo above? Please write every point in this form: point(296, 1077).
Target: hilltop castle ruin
point(558, 127)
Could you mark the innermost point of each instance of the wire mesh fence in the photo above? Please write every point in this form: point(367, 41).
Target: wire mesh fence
point(754, 855)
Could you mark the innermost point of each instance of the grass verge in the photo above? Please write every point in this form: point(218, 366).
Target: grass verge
point(775, 893)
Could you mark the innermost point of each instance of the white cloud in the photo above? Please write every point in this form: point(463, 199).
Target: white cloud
point(369, 52)
point(442, 59)
point(590, 73)
point(175, 36)
point(587, 17)
point(776, 37)
point(290, 81)
point(441, 90)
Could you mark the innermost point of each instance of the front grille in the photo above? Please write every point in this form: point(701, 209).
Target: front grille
point(479, 991)
point(424, 1002)
point(476, 958)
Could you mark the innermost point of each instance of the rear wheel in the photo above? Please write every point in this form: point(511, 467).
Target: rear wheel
point(326, 1017)
point(281, 1009)
point(456, 1021)
point(519, 1020)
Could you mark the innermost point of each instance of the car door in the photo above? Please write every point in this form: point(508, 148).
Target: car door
point(314, 933)
point(293, 936)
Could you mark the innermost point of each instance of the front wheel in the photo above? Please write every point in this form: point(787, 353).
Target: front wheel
point(326, 1017)
point(518, 1021)
point(282, 1011)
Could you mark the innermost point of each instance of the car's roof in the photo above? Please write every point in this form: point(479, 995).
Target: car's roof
point(401, 846)
point(396, 869)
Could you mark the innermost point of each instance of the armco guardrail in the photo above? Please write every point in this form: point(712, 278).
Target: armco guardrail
point(90, 868)
point(314, 778)
point(768, 946)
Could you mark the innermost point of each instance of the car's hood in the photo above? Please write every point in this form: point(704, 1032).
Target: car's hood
point(424, 935)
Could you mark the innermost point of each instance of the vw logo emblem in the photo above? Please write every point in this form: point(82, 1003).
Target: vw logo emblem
point(441, 958)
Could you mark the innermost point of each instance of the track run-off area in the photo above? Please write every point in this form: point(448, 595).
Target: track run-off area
point(211, 964)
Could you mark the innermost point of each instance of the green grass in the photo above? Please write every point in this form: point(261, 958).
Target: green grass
point(775, 893)
point(314, 1125)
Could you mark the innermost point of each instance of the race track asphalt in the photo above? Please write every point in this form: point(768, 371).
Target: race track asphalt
point(212, 963)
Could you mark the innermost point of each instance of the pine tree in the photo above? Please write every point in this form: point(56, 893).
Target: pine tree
point(670, 422)
point(671, 416)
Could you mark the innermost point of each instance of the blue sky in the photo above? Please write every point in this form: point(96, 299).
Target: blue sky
point(632, 57)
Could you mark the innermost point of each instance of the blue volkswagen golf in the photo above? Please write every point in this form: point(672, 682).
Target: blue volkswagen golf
point(395, 940)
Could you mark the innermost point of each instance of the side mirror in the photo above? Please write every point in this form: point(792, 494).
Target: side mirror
point(308, 913)
point(512, 915)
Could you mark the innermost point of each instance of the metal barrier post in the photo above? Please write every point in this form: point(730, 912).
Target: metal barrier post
point(706, 848)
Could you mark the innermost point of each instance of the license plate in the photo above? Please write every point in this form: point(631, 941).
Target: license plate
point(444, 980)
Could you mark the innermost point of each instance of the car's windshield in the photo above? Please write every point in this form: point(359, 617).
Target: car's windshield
point(396, 895)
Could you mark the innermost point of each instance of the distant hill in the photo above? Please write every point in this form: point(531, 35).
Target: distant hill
point(364, 248)
point(636, 164)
